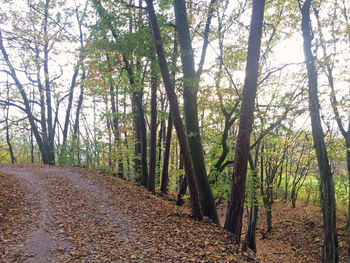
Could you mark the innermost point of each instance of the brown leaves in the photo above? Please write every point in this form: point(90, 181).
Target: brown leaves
point(94, 218)
point(16, 217)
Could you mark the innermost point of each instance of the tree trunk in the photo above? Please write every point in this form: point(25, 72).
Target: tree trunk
point(175, 111)
point(191, 111)
point(250, 235)
point(50, 146)
point(165, 170)
point(70, 102)
point(234, 213)
point(7, 127)
point(161, 138)
point(334, 101)
point(153, 146)
point(77, 112)
point(330, 246)
point(182, 192)
point(138, 151)
point(141, 127)
point(74, 78)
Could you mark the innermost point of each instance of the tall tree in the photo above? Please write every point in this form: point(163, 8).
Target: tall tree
point(191, 82)
point(153, 144)
point(134, 82)
point(46, 136)
point(330, 245)
point(233, 222)
point(328, 64)
point(175, 111)
point(165, 172)
point(80, 21)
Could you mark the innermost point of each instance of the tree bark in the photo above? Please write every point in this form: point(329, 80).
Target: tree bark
point(74, 79)
point(165, 170)
point(330, 246)
point(182, 192)
point(191, 111)
point(153, 145)
point(334, 102)
point(175, 111)
point(7, 127)
point(50, 129)
point(234, 213)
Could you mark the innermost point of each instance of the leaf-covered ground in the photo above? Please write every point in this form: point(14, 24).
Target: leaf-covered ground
point(52, 214)
point(296, 236)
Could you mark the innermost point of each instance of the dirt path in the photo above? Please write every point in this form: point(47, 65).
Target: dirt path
point(65, 200)
point(77, 215)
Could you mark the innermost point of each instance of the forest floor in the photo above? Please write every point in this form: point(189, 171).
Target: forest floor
point(52, 214)
point(297, 233)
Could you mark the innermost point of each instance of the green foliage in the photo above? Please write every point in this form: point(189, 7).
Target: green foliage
point(4, 154)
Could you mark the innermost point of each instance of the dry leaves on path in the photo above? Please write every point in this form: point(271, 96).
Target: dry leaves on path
point(86, 216)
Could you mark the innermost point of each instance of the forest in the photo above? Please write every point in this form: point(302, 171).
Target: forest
point(233, 110)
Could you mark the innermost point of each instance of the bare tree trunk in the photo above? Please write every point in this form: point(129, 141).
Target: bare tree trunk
point(330, 246)
point(50, 147)
point(74, 78)
point(250, 235)
point(183, 186)
point(165, 170)
point(329, 66)
point(191, 83)
point(153, 145)
point(160, 141)
point(7, 125)
point(234, 213)
point(175, 111)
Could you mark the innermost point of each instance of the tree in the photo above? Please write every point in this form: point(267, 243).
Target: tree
point(233, 222)
point(330, 245)
point(80, 21)
point(329, 66)
point(135, 83)
point(191, 83)
point(165, 172)
point(153, 144)
point(32, 43)
point(174, 107)
point(7, 125)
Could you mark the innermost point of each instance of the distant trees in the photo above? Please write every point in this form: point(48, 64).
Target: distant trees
point(35, 39)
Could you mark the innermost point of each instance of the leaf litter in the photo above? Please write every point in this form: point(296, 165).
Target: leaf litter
point(90, 217)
